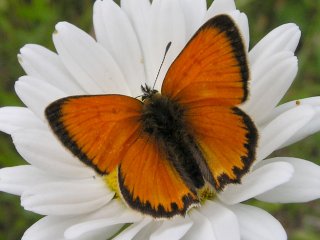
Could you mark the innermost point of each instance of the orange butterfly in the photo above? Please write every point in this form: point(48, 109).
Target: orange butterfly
point(168, 147)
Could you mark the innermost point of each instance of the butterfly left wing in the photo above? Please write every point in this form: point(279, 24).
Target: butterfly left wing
point(96, 129)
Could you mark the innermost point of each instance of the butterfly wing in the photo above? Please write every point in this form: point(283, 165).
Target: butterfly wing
point(211, 68)
point(105, 132)
point(149, 182)
point(209, 78)
point(96, 129)
point(227, 138)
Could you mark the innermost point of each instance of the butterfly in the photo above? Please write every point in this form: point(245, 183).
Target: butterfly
point(168, 146)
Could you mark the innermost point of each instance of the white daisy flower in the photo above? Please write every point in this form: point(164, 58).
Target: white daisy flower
point(127, 52)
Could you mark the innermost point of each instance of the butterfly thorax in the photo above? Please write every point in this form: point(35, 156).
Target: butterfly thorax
point(161, 116)
point(164, 120)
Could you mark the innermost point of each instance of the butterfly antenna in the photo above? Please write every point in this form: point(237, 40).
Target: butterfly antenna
point(164, 57)
point(138, 96)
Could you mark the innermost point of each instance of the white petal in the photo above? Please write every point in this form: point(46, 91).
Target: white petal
point(201, 228)
point(304, 185)
point(114, 208)
point(241, 21)
point(257, 182)
point(131, 231)
point(114, 32)
point(113, 216)
point(49, 228)
point(99, 223)
point(282, 128)
point(16, 180)
point(275, 77)
point(55, 228)
point(37, 94)
point(194, 14)
point(146, 232)
point(138, 12)
point(87, 61)
point(15, 118)
point(41, 149)
point(313, 125)
point(244, 28)
point(220, 7)
point(259, 71)
point(229, 7)
point(41, 63)
point(172, 229)
point(255, 224)
point(167, 24)
point(99, 234)
point(283, 38)
point(67, 197)
point(221, 217)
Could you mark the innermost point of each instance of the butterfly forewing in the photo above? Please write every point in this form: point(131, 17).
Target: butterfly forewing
point(212, 66)
point(97, 129)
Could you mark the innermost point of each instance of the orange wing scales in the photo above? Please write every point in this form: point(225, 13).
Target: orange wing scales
point(149, 182)
point(227, 138)
point(96, 129)
point(212, 66)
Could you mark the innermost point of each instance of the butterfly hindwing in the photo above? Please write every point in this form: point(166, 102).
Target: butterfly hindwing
point(149, 182)
point(227, 138)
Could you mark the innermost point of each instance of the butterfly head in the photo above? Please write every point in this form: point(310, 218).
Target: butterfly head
point(147, 91)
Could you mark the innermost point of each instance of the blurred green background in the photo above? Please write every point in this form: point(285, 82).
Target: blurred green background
point(33, 21)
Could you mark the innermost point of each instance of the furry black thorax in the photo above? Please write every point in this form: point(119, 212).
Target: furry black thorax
point(163, 120)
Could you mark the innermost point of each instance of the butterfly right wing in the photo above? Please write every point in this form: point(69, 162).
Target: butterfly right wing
point(212, 69)
point(210, 79)
point(227, 138)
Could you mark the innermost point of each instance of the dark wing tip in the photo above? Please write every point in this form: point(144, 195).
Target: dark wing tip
point(227, 25)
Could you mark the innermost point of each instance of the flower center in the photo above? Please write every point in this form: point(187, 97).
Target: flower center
point(206, 193)
point(112, 182)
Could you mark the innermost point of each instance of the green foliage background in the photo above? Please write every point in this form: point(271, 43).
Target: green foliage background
point(33, 21)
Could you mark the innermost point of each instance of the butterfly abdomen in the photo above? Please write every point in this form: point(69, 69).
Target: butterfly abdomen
point(163, 119)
